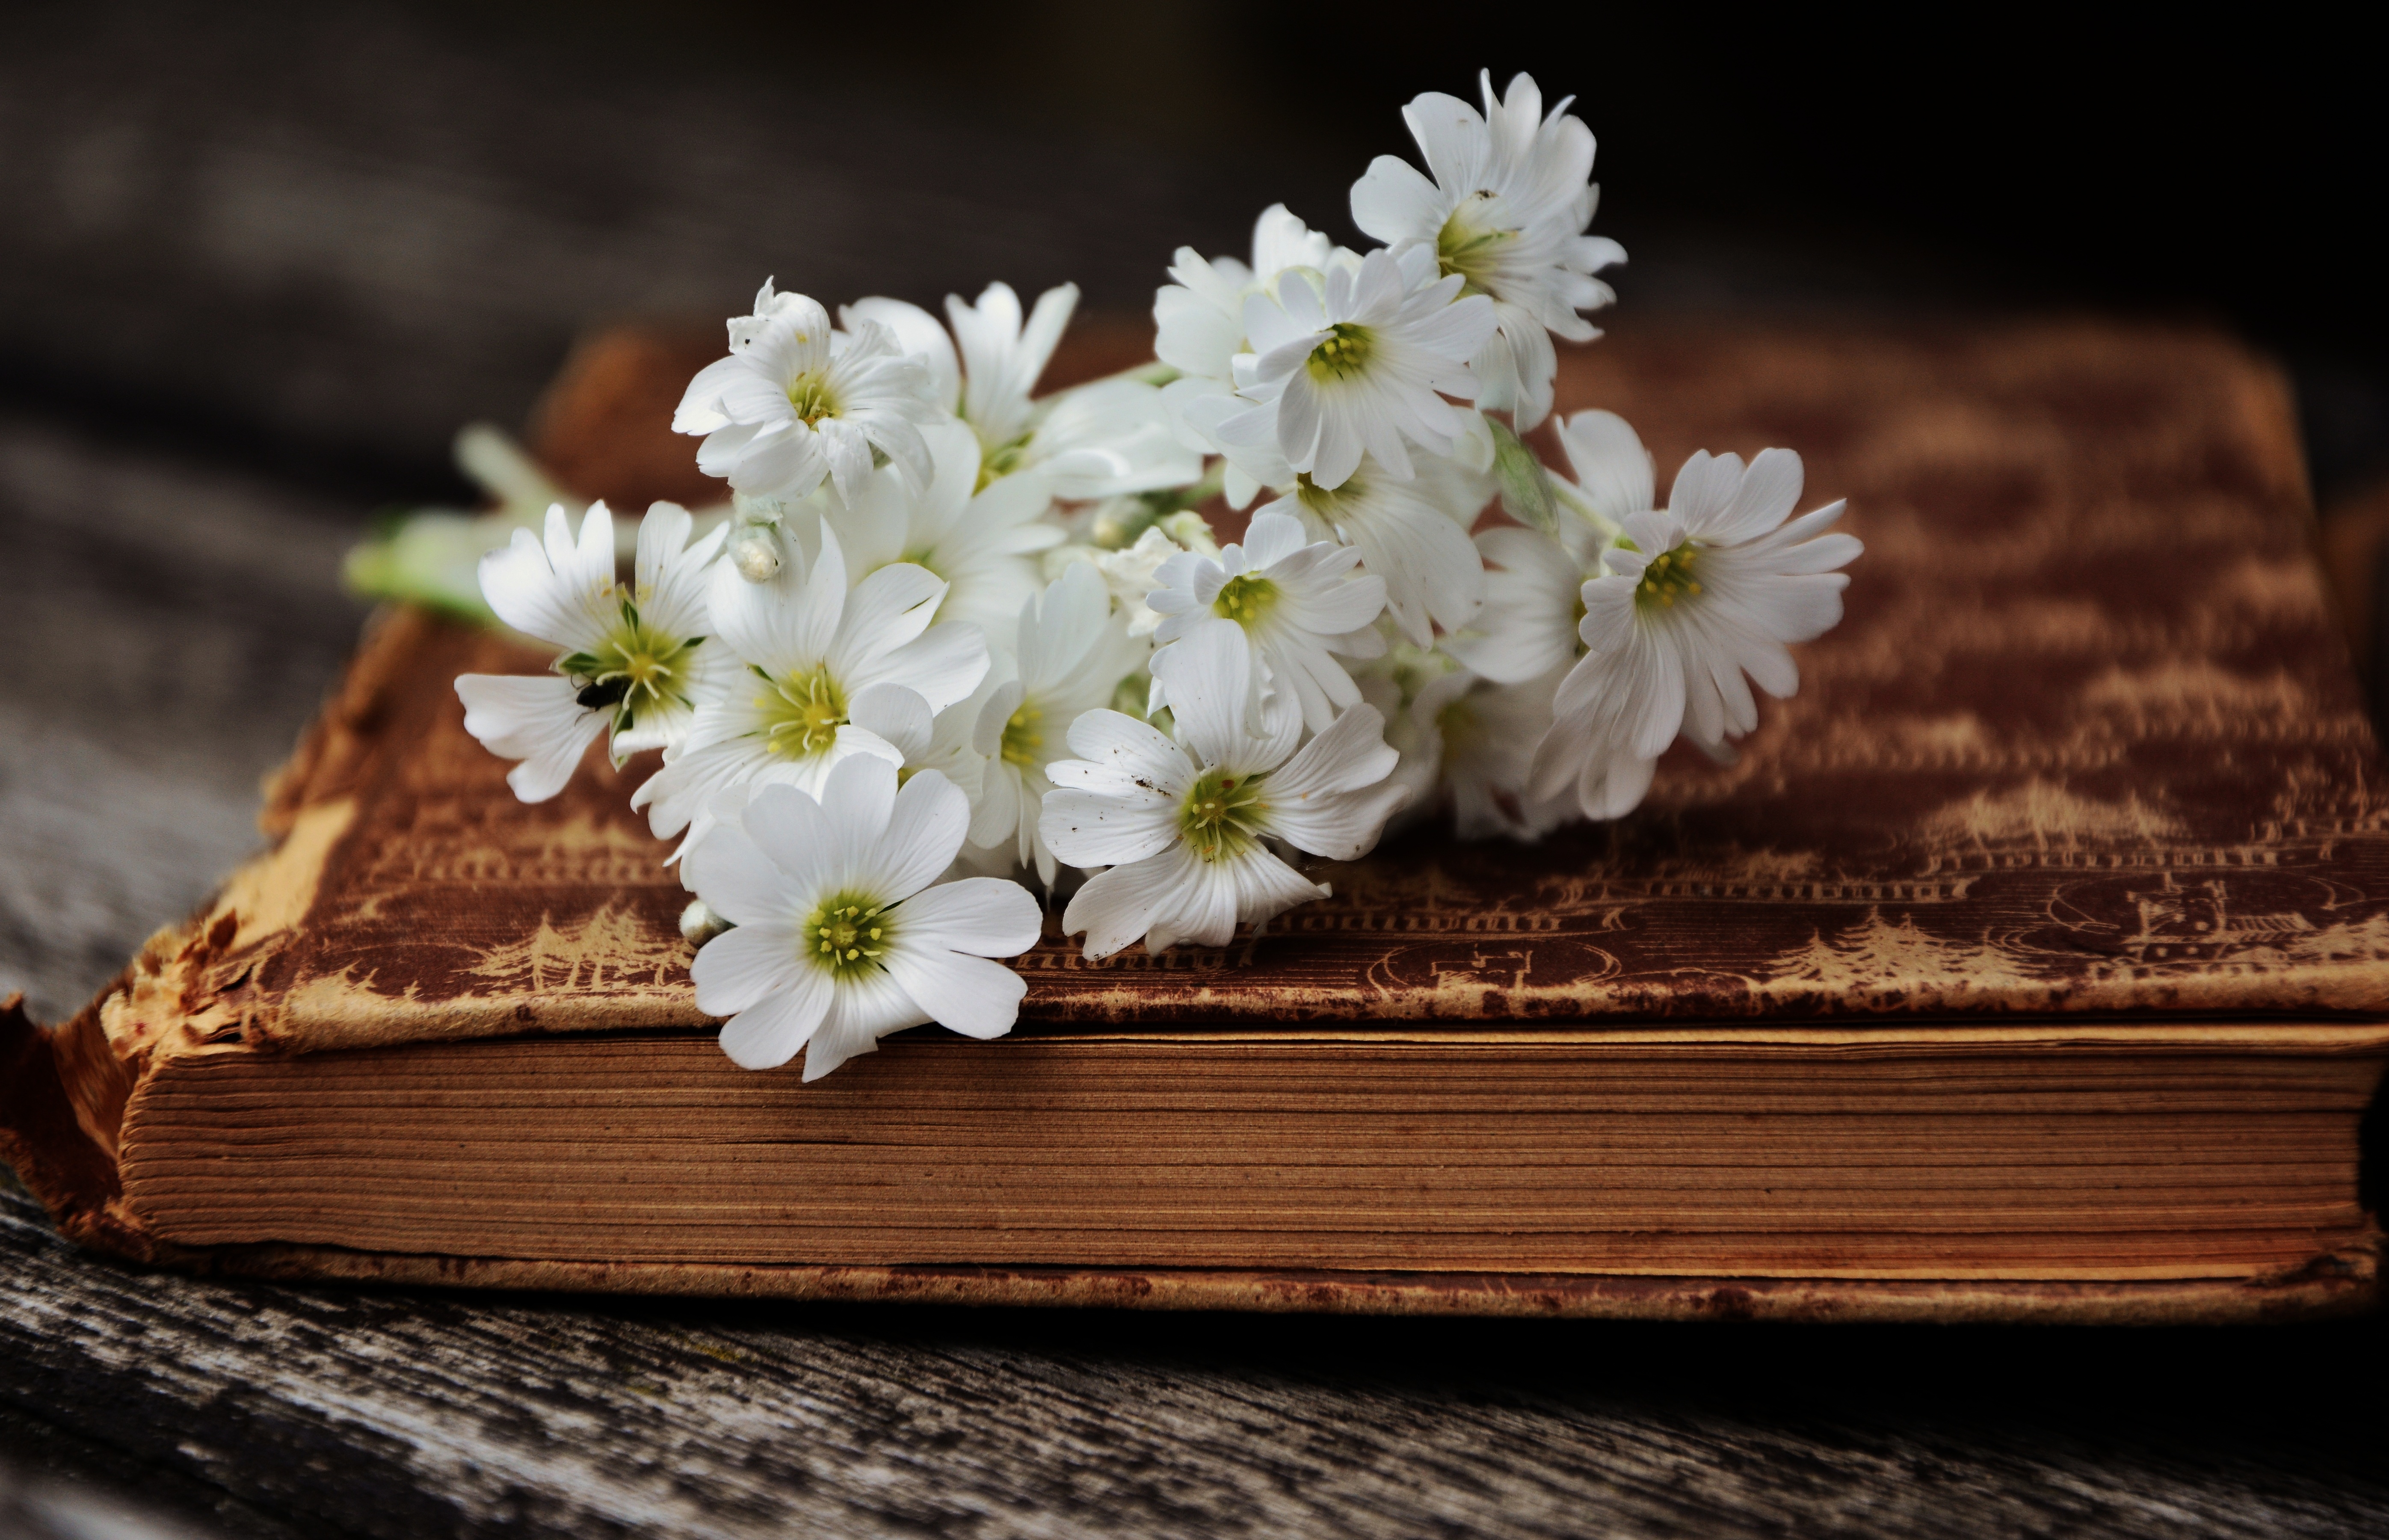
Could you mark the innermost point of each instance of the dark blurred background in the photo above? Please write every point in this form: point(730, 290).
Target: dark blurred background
point(331, 231)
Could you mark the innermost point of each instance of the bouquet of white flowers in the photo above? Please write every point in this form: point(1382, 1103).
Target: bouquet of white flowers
point(954, 645)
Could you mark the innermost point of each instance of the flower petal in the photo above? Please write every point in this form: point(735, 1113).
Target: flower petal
point(1117, 906)
point(920, 336)
point(942, 665)
point(886, 609)
point(969, 995)
point(1124, 758)
point(782, 625)
point(896, 713)
point(535, 718)
point(1611, 465)
point(858, 796)
point(736, 874)
point(984, 916)
point(1209, 676)
point(1096, 828)
point(768, 1033)
point(542, 590)
point(1332, 798)
point(1266, 887)
point(749, 963)
point(924, 832)
point(788, 828)
point(1769, 490)
point(864, 1008)
point(1394, 203)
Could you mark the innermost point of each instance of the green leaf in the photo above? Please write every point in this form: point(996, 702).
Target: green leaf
point(1526, 486)
point(430, 559)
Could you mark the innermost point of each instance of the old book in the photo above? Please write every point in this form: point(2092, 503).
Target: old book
point(2031, 962)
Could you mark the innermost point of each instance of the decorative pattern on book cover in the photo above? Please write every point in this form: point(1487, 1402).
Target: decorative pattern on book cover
point(2086, 743)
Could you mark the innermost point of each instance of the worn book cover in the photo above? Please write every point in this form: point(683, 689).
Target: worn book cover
point(2082, 791)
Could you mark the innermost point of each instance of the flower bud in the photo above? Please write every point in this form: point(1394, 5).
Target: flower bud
point(754, 553)
point(1189, 529)
point(700, 924)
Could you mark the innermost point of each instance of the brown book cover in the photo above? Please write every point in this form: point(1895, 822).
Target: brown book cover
point(2071, 820)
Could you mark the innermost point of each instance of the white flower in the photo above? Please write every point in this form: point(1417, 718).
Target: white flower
point(1131, 574)
point(1392, 685)
point(1483, 738)
point(1413, 534)
point(1695, 597)
point(1358, 361)
point(1199, 320)
point(635, 660)
point(1465, 743)
point(822, 675)
point(981, 544)
point(953, 751)
point(1069, 654)
point(844, 934)
point(796, 402)
point(1199, 325)
point(1506, 213)
point(1528, 627)
point(1181, 832)
point(1100, 439)
point(1296, 600)
point(433, 555)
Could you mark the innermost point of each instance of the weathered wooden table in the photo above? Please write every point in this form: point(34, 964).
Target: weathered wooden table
point(232, 318)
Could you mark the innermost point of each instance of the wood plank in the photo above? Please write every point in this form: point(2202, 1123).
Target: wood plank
point(406, 1414)
point(173, 622)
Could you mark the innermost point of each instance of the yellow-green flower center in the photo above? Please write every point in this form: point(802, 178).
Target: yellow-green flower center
point(1001, 461)
point(811, 398)
point(1457, 726)
point(1024, 736)
point(1413, 669)
point(847, 934)
point(1475, 254)
point(1667, 579)
point(1344, 353)
point(1220, 815)
point(636, 669)
point(1246, 600)
point(803, 712)
point(1329, 504)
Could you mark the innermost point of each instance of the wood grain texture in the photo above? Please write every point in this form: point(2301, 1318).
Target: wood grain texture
point(408, 1414)
point(32, 1509)
point(174, 623)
